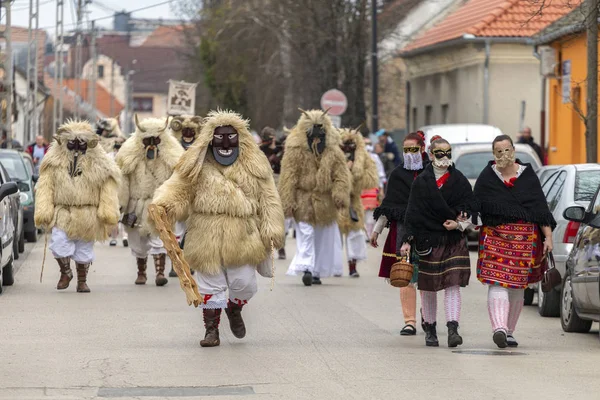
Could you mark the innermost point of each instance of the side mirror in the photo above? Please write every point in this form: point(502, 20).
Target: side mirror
point(575, 214)
point(7, 189)
point(35, 177)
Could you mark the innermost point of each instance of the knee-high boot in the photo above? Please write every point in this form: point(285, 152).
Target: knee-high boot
point(66, 274)
point(236, 323)
point(82, 271)
point(159, 265)
point(141, 274)
point(211, 323)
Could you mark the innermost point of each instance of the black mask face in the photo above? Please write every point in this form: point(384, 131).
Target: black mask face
point(78, 147)
point(188, 136)
point(316, 139)
point(225, 145)
point(151, 144)
point(349, 149)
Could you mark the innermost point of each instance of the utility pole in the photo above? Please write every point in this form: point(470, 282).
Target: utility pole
point(374, 68)
point(591, 129)
point(79, 38)
point(31, 117)
point(58, 106)
point(112, 89)
point(94, 75)
point(7, 65)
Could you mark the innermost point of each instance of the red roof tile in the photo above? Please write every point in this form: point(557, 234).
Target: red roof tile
point(495, 18)
point(166, 36)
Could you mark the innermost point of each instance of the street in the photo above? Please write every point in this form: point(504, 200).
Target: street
point(336, 341)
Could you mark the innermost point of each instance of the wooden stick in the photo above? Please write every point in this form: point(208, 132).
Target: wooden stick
point(44, 259)
point(180, 265)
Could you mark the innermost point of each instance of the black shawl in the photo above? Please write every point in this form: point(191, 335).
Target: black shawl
point(429, 207)
point(395, 202)
point(525, 201)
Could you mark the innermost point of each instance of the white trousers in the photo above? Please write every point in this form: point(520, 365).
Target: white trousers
point(356, 245)
point(143, 246)
point(289, 224)
point(319, 250)
point(61, 246)
point(240, 281)
point(369, 222)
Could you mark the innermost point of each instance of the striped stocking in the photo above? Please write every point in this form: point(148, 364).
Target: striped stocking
point(498, 307)
point(429, 306)
point(408, 299)
point(452, 302)
point(515, 298)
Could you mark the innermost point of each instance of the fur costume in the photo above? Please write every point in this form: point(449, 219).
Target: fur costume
point(85, 205)
point(142, 176)
point(181, 122)
point(314, 188)
point(109, 131)
point(364, 176)
point(232, 212)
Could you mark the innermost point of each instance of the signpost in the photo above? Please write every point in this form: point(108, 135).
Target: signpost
point(337, 103)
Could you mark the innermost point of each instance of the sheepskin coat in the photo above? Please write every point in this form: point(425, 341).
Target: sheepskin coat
point(86, 205)
point(232, 213)
point(314, 189)
point(111, 135)
point(142, 176)
point(364, 176)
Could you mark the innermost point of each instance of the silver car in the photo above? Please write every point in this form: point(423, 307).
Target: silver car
point(569, 186)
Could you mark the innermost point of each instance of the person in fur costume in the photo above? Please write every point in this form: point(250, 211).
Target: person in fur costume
point(223, 188)
point(315, 187)
point(76, 199)
point(364, 176)
point(146, 160)
point(185, 128)
point(109, 132)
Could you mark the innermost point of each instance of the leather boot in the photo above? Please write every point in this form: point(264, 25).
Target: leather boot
point(211, 323)
point(172, 273)
point(141, 278)
point(431, 339)
point(159, 265)
point(454, 339)
point(282, 255)
point(352, 266)
point(66, 274)
point(236, 323)
point(82, 271)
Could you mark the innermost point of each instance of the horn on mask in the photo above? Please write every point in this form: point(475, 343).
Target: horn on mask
point(166, 124)
point(325, 112)
point(137, 124)
point(358, 128)
point(303, 111)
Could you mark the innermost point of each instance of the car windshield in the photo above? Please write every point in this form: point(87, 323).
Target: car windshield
point(14, 166)
point(586, 183)
point(471, 164)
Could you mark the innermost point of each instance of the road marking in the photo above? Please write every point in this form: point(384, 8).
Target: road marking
point(176, 391)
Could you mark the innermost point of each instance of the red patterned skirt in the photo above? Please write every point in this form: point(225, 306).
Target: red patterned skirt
point(511, 255)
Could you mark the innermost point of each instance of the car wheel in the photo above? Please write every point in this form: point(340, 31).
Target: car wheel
point(528, 296)
point(22, 241)
point(7, 274)
point(15, 249)
point(32, 236)
point(548, 303)
point(569, 319)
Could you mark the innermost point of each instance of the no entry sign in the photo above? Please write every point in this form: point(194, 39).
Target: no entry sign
point(336, 100)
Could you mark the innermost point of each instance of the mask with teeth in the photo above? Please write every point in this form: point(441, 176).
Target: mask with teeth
point(225, 145)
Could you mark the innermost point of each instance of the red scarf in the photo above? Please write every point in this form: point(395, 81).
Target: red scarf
point(440, 182)
point(511, 182)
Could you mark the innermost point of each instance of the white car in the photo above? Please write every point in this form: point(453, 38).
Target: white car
point(462, 133)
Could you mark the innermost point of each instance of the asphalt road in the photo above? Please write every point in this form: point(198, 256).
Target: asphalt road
point(335, 341)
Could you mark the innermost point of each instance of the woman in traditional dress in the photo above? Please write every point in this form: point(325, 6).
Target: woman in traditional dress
point(440, 202)
point(391, 214)
point(517, 224)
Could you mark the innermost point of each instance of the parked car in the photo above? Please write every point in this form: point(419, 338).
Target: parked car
point(546, 171)
point(570, 185)
point(7, 232)
point(462, 133)
point(16, 210)
point(580, 295)
point(15, 164)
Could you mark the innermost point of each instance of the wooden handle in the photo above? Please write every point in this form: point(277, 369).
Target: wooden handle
point(180, 265)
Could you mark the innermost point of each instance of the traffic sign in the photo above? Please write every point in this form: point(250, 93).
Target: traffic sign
point(336, 121)
point(335, 100)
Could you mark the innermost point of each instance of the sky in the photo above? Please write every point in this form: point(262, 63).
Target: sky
point(97, 9)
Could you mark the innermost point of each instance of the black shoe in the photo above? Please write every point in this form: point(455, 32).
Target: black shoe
point(307, 279)
point(172, 273)
point(431, 339)
point(454, 339)
point(316, 280)
point(500, 339)
point(511, 341)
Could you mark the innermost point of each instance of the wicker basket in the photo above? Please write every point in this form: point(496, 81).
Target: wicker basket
point(401, 273)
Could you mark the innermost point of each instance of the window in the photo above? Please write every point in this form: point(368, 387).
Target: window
point(548, 184)
point(428, 112)
point(555, 193)
point(100, 71)
point(414, 119)
point(444, 113)
point(142, 104)
point(586, 183)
